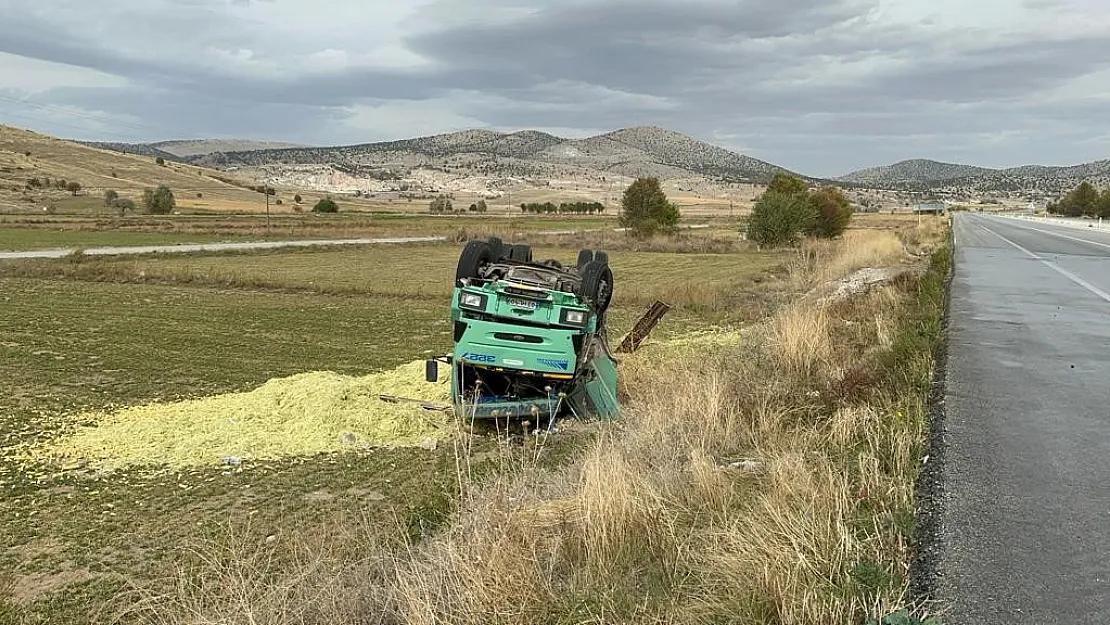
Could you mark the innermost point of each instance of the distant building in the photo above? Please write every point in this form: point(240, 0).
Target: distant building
point(934, 208)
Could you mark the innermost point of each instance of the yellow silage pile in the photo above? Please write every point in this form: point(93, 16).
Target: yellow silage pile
point(300, 415)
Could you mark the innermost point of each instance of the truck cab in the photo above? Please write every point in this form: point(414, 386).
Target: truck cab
point(530, 337)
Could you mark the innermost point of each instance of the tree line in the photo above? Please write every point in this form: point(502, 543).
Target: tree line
point(58, 183)
point(574, 208)
point(1083, 201)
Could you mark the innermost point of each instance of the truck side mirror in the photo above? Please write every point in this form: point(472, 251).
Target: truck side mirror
point(431, 370)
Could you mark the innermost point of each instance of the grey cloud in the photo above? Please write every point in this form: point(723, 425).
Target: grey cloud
point(782, 77)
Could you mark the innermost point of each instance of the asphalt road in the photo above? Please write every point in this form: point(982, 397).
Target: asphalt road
point(1023, 529)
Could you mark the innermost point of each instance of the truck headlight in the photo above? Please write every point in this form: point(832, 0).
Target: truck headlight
point(475, 301)
point(575, 317)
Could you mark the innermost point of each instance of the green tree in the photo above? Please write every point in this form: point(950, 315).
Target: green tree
point(326, 205)
point(160, 161)
point(110, 196)
point(159, 201)
point(1086, 198)
point(1068, 207)
point(1104, 204)
point(781, 218)
point(481, 206)
point(74, 188)
point(645, 209)
point(833, 212)
point(787, 184)
point(297, 198)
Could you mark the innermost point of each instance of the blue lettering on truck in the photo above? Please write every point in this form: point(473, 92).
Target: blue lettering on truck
point(554, 364)
point(478, 357)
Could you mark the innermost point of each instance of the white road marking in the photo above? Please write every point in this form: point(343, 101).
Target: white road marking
point(1058, 269)
point(1057, 234)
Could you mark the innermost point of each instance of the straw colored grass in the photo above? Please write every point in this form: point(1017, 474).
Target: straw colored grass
point(821, 261)
point(800, 336)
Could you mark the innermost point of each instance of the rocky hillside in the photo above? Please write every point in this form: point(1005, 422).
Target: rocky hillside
point(640, 151)
point(913, 171)
point(932, 175)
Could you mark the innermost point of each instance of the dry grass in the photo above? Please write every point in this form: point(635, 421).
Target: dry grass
point(800, 337)
point(249, 577)
point(821, 261)
point(738, 487)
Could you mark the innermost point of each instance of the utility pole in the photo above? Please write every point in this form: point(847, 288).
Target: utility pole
point(266, 192)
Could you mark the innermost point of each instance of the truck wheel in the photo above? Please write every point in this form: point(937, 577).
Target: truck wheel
point(584, 257)
point(597, 285)
point(474, 255)
point(521, 253)
point(497, 247)
point(601, 257)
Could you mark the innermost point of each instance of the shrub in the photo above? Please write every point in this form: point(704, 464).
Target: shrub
point(124, 205)
point(297, 198)
point(781, 219)
point(326, 205)
point(441, 204)
point(160, 161)
point(645, 209)
point(110, 197)
point(159, 201)
point(834, 212)
point(788, 185)
point(74, 188)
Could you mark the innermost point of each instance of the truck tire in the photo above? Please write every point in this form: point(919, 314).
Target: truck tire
point(474, 255)
point(601, 257)
point(597, 285)
point(497, 247)
point(584, 257)
point(521, 253)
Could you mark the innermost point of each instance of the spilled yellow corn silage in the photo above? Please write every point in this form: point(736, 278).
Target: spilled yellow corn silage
point(299, 415)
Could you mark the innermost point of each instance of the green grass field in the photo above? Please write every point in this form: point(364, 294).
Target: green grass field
point(87, 335)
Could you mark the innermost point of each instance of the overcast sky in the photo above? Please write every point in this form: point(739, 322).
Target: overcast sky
point(818, 86)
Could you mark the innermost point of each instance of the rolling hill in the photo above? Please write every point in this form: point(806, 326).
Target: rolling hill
point(639, 151)
point(913, 171)
point(181, 149)
point(927, 174)
point(27, 156)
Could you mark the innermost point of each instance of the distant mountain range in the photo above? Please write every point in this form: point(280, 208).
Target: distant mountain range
point(630, 152)
point(638, 151)
point(921, 174)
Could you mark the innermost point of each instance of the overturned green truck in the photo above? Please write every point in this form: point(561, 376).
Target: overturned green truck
point(530, 337)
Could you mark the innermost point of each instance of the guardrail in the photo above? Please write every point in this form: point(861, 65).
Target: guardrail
point(1070, 222)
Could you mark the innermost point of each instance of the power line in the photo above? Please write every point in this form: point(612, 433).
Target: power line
point(91, 115)
point(63, 124)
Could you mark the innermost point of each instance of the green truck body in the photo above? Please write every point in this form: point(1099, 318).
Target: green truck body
point(529, 338)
